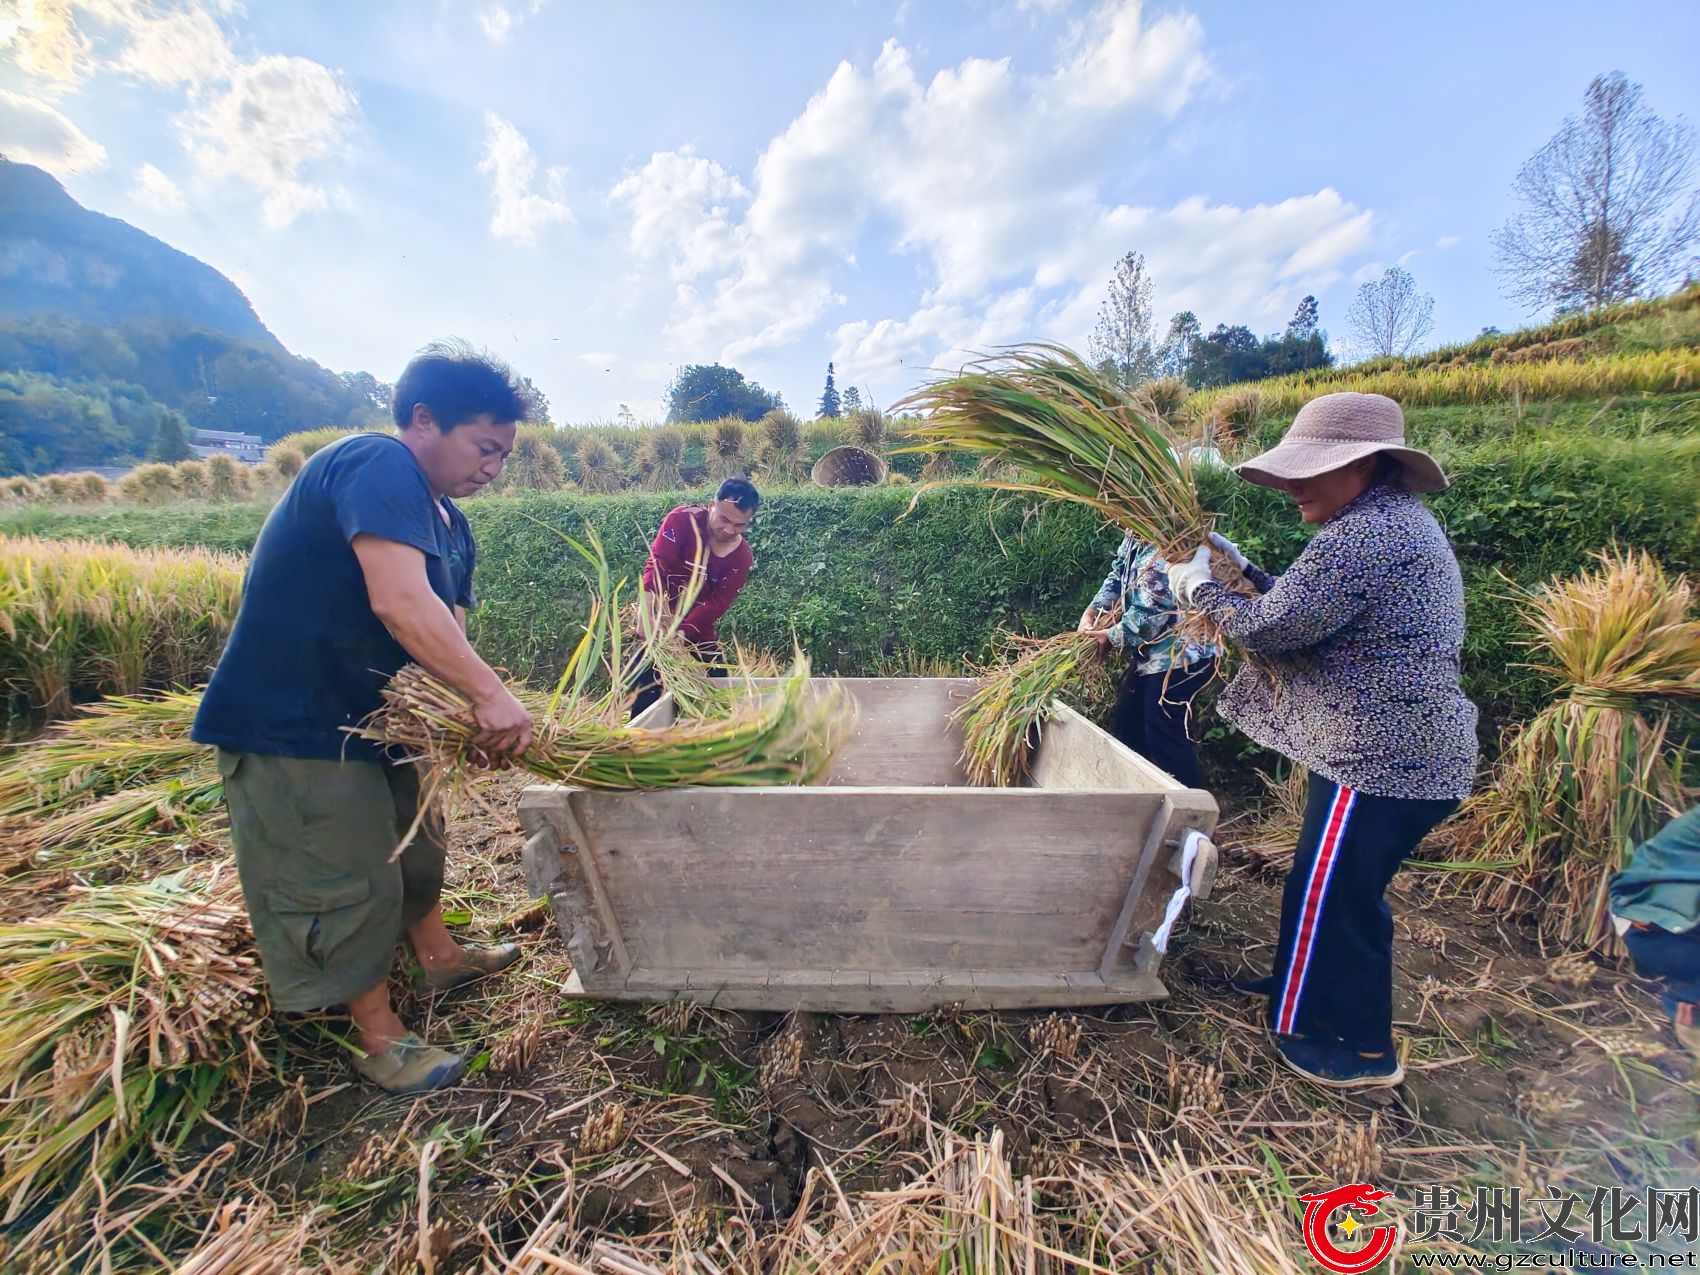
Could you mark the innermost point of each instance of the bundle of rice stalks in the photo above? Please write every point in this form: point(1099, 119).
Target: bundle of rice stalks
point(59, 489)
point(1591, 776)
point(286, 461)
point(92, 489)
point(20, 490)
point(780, 449)
point(190, 478)
point(1000, 722)
point(786, 736)
point(598, 466)
point(940, 466)
point(1164, 396)
point(227, 478)
point(149, 485)
point(1073, 435)
point(120, 744)
point(124, 1017)
point(663, 462)
point(728, 449)
point(866, 430)
point(535, 464)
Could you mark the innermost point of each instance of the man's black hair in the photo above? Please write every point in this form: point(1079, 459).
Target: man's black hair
point(458, 383)
point(741, 492)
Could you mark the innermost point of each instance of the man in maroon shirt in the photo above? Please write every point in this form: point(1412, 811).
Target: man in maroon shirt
point(703, 544)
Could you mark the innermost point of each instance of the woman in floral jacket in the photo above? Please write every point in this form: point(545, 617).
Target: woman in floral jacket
point(1164, 670)
point(1356, 678)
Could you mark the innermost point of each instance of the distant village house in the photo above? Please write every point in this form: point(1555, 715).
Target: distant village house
point(246, 448)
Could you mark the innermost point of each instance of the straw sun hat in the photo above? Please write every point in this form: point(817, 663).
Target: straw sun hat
point(1335, 430)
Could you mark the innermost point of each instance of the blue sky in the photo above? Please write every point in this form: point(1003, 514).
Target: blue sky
point(604, 192)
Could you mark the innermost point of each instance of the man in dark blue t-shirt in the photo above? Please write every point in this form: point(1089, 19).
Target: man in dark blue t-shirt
point(364, 565)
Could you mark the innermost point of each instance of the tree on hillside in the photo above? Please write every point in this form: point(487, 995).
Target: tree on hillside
point(1227, 355)
point(1122, 337)
point(1303, 325)
point(708, 392)
point(830, 404)
point(1608, 210)
point(1174, 355)
point(1389, 316)
point(536, 401)
point(170, 440)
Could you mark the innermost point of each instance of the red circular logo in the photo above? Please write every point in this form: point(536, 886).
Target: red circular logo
point(1359, 1197)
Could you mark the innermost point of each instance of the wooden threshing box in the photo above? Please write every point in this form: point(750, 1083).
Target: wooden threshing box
point(892, 886)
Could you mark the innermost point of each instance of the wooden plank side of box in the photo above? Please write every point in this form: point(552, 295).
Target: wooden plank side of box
point(862, 879)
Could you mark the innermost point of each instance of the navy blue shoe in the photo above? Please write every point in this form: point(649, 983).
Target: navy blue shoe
point(1337, 1067)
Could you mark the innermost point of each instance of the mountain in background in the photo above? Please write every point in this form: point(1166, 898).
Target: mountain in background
point(105, 330)
point(59, 258)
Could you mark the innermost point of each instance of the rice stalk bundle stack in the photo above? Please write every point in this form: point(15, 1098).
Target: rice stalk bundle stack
point(781, 450)
point(1594, 773)
point(665, 453)
point(1001, 721)
point(1070, 434)
point(728, 449)
point(598, 466)
point(125, 1016)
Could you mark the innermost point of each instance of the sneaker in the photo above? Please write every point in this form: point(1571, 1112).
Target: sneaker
point(1248, 985)
point(476, 963)
point(411, 1066)
point(1337, 1067)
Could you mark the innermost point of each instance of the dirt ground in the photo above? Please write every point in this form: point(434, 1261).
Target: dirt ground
point(1522, 1070)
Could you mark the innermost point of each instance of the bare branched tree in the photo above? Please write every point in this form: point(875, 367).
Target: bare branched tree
point(1390, 316)
point(1123, 337)
point(1607, 210)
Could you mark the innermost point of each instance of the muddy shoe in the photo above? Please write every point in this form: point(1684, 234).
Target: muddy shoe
point(411, 1066)
point(1338, 1068)
point(476, 963)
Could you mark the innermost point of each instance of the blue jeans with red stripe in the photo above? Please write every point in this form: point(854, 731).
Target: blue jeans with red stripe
point(1334, 959)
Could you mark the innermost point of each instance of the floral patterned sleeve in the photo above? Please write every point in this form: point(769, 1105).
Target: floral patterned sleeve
point(1325, 589)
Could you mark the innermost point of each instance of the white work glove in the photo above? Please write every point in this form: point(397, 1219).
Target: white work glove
point(1185, 577)
point(1230, 550)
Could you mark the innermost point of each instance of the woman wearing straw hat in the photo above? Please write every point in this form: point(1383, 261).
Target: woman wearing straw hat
point(1356, 678)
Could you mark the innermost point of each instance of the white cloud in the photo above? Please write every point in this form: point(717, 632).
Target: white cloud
point(520, 211)
point(680, 209)
point(498, 19)
point(598, 358)
point(263, 122)
point(35, 133)
point(154, 189)
point(993, 180)
point(1447, 241)
point(276, 115)
point(179, 47)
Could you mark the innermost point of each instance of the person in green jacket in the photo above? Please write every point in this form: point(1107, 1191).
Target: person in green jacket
point(1655, 903)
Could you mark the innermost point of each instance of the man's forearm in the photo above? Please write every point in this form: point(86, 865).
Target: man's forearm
point(429, 633)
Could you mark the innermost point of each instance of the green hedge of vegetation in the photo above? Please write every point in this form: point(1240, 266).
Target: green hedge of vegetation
point(867, 586)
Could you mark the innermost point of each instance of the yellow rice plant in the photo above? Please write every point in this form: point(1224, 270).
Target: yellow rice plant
point(80, 616)
point(189, 477)
point(286, 461)
point(1593, 774)
point(1651, 372)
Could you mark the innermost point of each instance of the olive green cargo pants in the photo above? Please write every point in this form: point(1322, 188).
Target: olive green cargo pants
point(314, 845)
